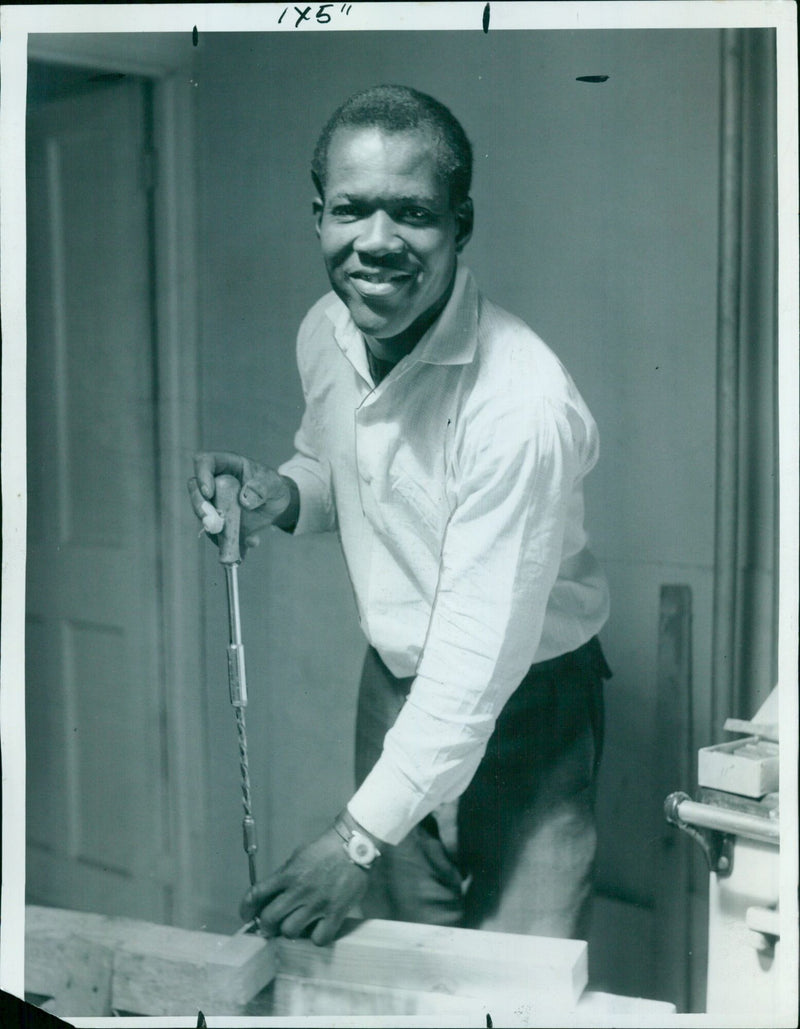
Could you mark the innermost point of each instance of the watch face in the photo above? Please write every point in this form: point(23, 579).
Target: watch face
point(362, 850)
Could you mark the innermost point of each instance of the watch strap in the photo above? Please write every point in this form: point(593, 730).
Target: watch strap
point(359, 845)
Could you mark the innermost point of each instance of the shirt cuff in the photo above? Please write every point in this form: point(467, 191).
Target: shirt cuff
point(316, 508)
point(386, 805)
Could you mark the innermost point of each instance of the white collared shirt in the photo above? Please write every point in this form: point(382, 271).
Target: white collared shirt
point(456, 489)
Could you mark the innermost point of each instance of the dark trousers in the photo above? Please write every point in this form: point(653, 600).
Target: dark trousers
point(515, 852)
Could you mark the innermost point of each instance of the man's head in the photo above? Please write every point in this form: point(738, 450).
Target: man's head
point(400, 109)
point(392, 169)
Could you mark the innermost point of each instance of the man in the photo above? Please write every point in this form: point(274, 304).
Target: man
point(447, 446)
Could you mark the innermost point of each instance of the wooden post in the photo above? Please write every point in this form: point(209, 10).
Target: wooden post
point(674, 771)
point(724, 684)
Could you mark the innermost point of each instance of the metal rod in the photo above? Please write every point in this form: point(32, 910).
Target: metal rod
point(234, 616)
point(737, 823)
point(237, 675)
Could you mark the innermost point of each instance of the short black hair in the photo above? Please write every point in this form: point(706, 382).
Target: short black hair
point(397, 109)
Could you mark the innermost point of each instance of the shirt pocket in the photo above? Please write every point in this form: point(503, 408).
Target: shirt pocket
point(405, 488)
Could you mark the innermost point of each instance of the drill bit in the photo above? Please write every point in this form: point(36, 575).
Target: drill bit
point(237, 683)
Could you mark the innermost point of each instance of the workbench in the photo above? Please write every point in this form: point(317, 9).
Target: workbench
point(82, 965)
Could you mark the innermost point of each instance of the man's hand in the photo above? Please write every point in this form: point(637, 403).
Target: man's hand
point(318, 884)
point(265, 497)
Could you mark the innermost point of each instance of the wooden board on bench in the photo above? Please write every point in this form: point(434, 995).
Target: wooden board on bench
point(374, 967)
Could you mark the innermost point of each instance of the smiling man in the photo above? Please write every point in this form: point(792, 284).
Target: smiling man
point(390, 232)
point(447, 446)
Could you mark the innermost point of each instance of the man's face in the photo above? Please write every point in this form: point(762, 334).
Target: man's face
point(388, 231)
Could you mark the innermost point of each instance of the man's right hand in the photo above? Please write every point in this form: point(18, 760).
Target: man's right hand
point(265, 498)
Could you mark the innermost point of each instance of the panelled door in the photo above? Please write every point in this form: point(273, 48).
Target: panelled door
point(97, 798)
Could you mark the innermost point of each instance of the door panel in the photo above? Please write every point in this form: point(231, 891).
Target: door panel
point(97, 787)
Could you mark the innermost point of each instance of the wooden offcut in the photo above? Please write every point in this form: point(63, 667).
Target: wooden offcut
point(748, 767)
point(147, 969)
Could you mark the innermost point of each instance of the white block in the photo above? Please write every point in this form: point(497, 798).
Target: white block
point(748, 767)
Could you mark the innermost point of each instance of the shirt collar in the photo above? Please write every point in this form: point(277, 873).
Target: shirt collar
point(348, 337)
point(451, 339)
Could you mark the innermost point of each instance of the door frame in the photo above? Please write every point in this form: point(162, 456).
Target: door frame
point(162, 60)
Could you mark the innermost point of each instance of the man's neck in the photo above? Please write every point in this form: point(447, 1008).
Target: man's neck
point(378, 367)
point(392, 350)
point(387, 350)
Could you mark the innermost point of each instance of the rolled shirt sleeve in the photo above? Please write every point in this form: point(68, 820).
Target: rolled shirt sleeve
point(307, 467)
point(501, 554)
point(312, 475)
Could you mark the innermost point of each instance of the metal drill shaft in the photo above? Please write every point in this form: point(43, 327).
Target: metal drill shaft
point(237, 678)
point(237, 682)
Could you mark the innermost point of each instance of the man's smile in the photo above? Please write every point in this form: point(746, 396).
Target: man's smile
point(379, 282)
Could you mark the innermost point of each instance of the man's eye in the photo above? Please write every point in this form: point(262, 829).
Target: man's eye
point(345, 211)
point(417, 215)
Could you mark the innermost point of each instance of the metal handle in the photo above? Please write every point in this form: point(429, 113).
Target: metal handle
point(714, 828)
point(680, 809)
point(717, 846)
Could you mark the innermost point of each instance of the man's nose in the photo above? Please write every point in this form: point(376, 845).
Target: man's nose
point(378, 236)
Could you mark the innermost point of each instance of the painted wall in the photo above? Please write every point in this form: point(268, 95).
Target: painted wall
point(596, 221)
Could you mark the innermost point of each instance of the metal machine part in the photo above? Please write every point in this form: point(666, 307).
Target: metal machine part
point(715, 844)
point(714, 827)
point(735, 818)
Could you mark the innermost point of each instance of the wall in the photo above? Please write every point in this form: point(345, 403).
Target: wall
point(596, 222)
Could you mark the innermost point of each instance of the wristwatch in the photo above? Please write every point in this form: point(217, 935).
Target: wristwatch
point(358, 844)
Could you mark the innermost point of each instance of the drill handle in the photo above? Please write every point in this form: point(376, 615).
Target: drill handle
point(226, 501)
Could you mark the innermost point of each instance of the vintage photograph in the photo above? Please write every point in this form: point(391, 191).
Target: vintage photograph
point(399, 513)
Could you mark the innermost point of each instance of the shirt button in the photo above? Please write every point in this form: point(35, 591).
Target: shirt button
point(365, 476)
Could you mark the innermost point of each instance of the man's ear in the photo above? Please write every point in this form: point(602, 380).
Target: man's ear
point(316, 206)
point(465, 218)
point(318, 202)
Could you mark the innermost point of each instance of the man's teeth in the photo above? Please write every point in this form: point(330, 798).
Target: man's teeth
point(380, 277)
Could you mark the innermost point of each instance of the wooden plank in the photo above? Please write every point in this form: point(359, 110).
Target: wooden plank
point(52, 935)
point(294, 996)
point(289, 996)
point(434, 959)
point(374, 967)
point(171, 971)
point(766, 730)
point(158, 970)
point(674, 770)
point(76, 973)
point(612, 1009)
